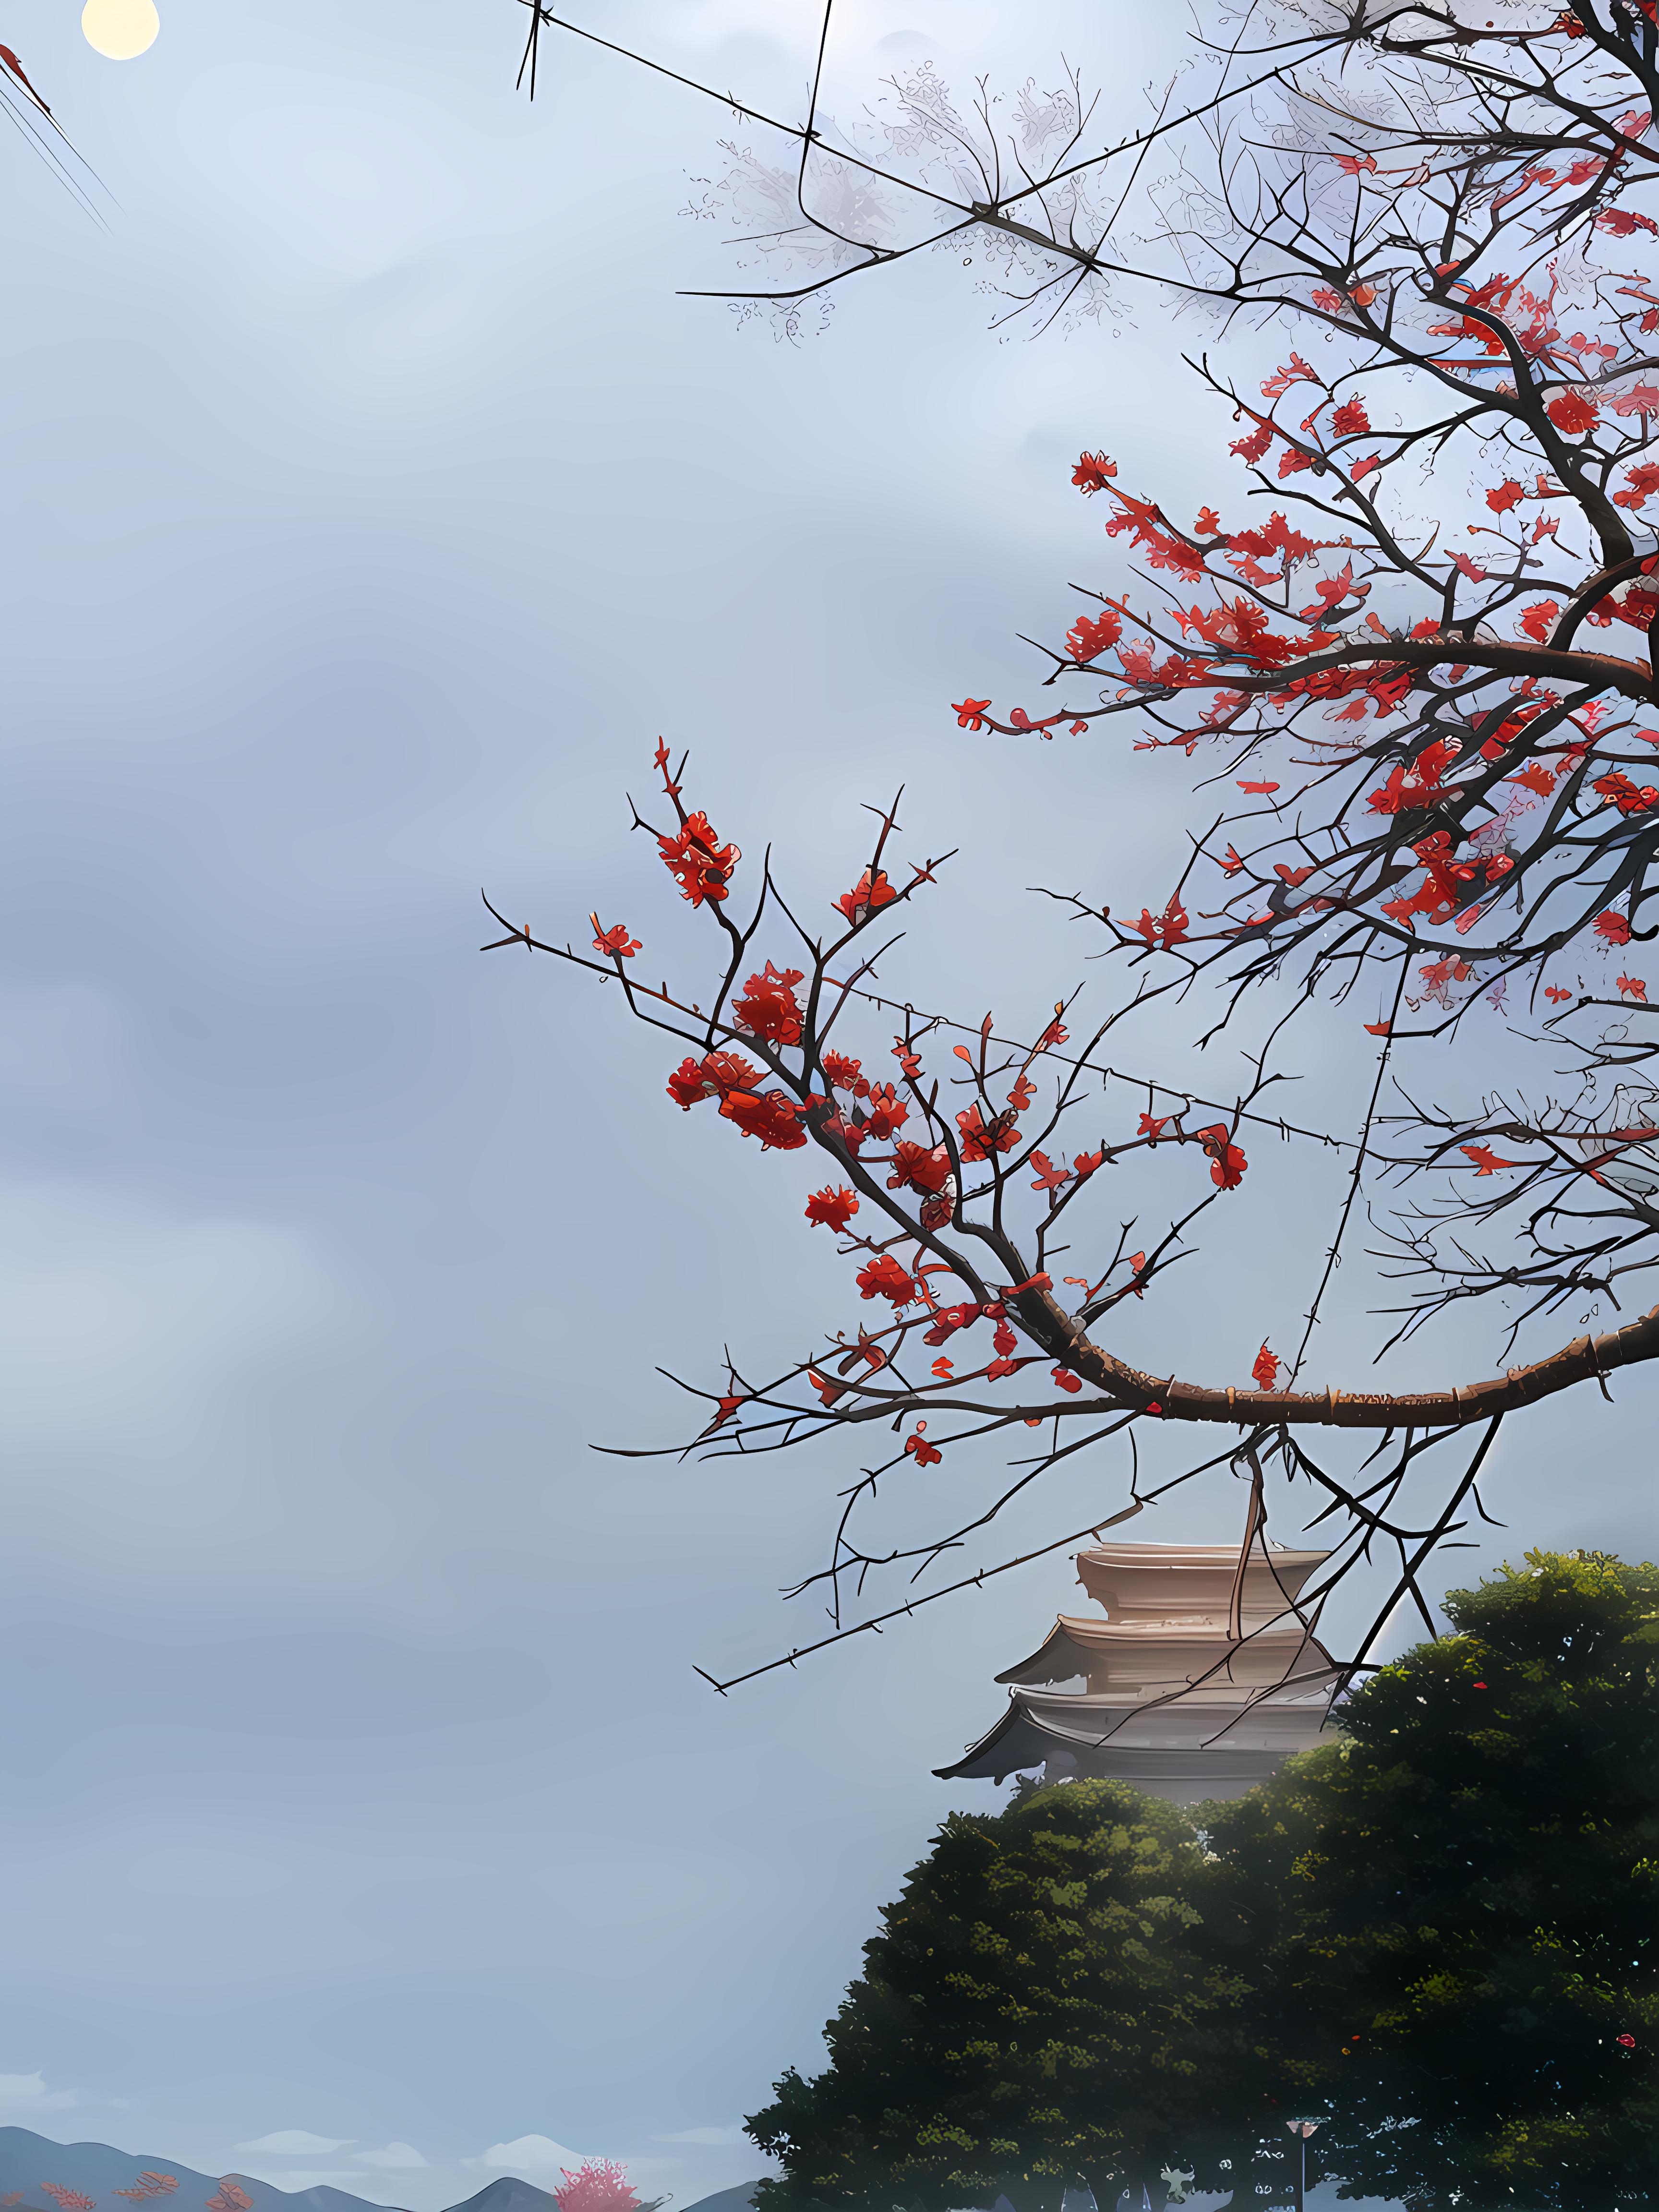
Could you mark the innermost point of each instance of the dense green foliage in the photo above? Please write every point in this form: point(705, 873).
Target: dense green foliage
point(1468, 1901)
point(1437, 1931)
point(1035, 2011)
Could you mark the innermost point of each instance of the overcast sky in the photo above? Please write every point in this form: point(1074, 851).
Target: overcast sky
point(371, 505)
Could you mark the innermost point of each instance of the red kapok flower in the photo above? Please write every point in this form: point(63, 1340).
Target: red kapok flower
point(711, 1077)
point(697, 861)
point(616, 942)
point(1091, 474)
point(833, 1207)
point(1613, 925)
point(927, 1454)
point(916, 1167)
point(883, 1278)
point(871, 892)
point(886, 1111)
point(1573, 414)
point(981, 1138)
point(970, 713)
point(768, 1115)
point(768, 1007)
point(1265, 1373)
point(1094, 634)
point(1227, 1163)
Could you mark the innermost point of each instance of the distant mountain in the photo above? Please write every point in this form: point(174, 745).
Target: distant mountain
point(510, 2194)
point(28, 2162)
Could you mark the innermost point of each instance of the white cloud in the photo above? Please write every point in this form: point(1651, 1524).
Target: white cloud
point(28, 2092)
point(297, 2142)
point(711, 2136)
point(400, 2155)
point(539, 2151)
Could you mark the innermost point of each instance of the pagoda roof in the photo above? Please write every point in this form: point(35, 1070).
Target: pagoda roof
point(1076, 1645)
point(1177, 1749)
point(1140, 1578)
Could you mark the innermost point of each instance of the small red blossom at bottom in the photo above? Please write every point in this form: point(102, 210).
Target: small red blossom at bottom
point(616, 942)
point(927, 1454)
point(832, 1207)
point(1633, 986)
point(1554, 993)
point(1064, 1380)
point(970, 713)
point(1265, 1373)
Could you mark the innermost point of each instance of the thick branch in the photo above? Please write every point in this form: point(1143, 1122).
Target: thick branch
point(1584, 1359)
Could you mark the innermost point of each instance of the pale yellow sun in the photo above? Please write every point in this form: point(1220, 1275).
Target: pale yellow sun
point(120, 28)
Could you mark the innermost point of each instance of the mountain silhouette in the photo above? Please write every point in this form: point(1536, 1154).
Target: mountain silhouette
point(28, 2163)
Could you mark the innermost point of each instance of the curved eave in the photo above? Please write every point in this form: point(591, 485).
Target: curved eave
point(1057, 1648)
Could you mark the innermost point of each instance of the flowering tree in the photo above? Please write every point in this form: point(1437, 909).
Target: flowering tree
point(68, 2200)
point(1440, 816)
point(599, 2184)
point(229, 2197)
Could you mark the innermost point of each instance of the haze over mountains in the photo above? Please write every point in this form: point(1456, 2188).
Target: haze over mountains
point(33, 2167)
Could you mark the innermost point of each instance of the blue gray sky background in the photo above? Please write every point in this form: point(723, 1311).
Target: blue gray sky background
point(371, 504)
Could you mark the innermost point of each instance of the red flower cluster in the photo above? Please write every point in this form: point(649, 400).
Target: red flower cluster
point(711, 1077)
point(767, 1006)
point(768, 1115)
point(1092, 634)
point(981, 1138)
point(1625, 795)
point(832, 1207)
point(1265, 1372)
point(697, 861)
point(915, 1168)
point(883, 1278)
point(728, 1076)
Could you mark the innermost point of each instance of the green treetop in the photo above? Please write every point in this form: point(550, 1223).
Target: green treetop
point(1463, 1895)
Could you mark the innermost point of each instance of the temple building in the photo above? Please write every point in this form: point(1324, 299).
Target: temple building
point(1199, 1677)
